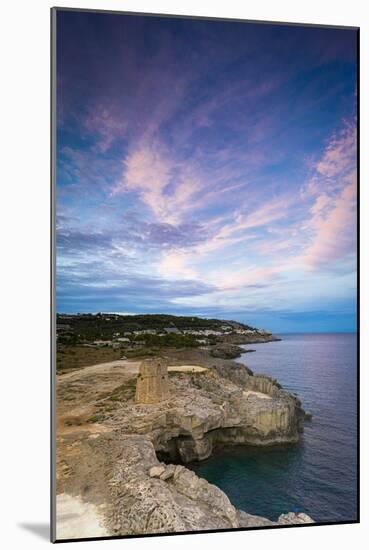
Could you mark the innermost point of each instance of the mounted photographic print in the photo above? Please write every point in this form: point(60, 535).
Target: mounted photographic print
point(204, 343)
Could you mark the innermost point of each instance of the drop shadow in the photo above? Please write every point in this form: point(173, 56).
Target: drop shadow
point(42, 530)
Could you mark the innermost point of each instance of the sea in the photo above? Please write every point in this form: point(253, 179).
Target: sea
point(318, 475)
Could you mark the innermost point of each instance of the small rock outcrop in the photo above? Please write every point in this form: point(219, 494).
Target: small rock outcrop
point(152, 382)
point(226, 351)
point(294, 518)
point(156, 471)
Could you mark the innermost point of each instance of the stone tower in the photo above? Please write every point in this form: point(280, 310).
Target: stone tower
point(152, 381)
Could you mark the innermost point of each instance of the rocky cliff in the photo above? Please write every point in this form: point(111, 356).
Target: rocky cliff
point(127, 457)
point(136, 494)
point(164, 498)
point(207, 409)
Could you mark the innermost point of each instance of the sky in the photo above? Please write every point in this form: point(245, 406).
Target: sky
point(207, 168)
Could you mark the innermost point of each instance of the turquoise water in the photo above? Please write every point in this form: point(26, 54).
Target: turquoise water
point(318, 475)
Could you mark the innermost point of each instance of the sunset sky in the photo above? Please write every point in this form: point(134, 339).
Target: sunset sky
point(207, 168)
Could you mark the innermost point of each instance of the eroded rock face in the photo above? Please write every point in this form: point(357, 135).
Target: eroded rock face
point(116, 465)
point(226, 351)
point(133, 499)
point(211, 408)
point(180, 502)
point(156, 471)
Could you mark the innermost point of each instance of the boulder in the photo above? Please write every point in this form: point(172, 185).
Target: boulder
point(156, 471)
point(168, 472)
point(294, 518)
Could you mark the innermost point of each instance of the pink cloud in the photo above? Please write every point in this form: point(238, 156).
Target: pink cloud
point(108, 126)
point(147, 171)
point(339, 154)
point(247, 277)
point(335, 232)
point(332, 225)
point(176, 264)
point(164, 184)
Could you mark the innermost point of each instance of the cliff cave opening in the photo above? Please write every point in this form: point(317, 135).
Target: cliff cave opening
point(185, 449)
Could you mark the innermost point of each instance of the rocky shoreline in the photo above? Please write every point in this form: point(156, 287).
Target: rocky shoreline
point(128, 458)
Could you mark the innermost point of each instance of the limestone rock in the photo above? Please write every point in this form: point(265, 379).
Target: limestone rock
point(249, 520)
point(293, 518)
point(224, 405)
point(187, 483)
point(236, 372)
point(168, 472)
point(226, 351)
point(147, 504)
point(156, 471)
point(130, 501)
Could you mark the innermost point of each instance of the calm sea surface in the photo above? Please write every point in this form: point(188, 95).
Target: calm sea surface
point(318, 475)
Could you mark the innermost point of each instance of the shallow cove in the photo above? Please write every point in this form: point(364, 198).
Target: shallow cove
point(318, 475)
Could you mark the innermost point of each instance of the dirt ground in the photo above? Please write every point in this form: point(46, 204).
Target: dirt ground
point(87, 446)
point(80, 394)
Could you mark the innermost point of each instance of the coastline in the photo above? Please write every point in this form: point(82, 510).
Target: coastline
point(321, 369)
point(223, 404)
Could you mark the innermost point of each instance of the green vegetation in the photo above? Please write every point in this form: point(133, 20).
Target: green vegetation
point(88, 339)
point(89, 327)
point(123, 392)
point(96, 418)
point(167, 340)
point(140, 353)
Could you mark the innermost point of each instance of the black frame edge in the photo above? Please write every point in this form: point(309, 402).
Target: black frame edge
point(205, 18)
point(53, 274)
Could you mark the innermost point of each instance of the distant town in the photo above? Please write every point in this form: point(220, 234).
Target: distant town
point(85, 338)
point(101, 328)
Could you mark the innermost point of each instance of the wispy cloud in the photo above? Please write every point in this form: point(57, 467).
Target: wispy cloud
point(340, 154)
point(204, 167)
point(332, 225)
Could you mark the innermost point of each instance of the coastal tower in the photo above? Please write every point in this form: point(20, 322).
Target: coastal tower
point(152, 382)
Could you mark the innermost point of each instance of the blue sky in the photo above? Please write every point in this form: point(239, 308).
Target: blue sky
point(207, 168)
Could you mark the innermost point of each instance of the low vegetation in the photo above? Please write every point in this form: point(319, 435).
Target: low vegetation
point(89, 327)
point(89, 339)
